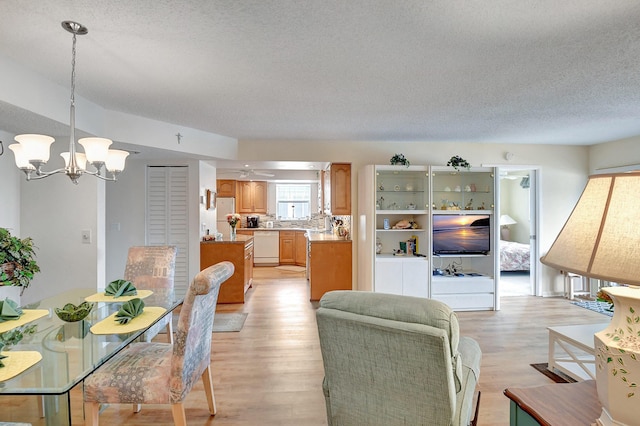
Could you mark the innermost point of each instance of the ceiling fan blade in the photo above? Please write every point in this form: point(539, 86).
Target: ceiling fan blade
point(263, 174)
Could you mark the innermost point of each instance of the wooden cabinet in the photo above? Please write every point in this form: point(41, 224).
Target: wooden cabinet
point(287, 247)
point(293, 248)
point(330, 267)
point(226, 188)
point(251, 197)
point(301, 248)
point(337, 189)
point(238, 252)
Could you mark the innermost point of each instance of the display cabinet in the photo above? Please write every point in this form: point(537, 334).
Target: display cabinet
point(464, 238)
point(394, 203)
point(450, 215)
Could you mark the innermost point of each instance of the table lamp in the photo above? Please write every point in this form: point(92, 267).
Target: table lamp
point(505, 221)
point(601, 240)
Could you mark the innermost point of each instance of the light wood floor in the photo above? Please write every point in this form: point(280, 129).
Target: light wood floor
point(270, 373)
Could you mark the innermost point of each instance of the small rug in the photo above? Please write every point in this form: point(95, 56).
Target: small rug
point(226, 322)
point(223, 322)
point(599, 307)
point(291, 268)
point(556, 377)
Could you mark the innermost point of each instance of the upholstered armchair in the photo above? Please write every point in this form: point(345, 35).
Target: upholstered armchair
point(395, 360)
point(163, 373)
point(153, 268)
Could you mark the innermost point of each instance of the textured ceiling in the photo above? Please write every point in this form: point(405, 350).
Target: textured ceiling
point(544, 71)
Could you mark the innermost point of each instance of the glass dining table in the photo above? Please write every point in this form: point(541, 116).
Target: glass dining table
point(70, 350)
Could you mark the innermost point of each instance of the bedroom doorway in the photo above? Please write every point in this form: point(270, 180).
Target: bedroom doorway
point(519, 201)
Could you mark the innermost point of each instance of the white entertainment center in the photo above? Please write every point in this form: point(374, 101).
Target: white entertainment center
point(400, 205)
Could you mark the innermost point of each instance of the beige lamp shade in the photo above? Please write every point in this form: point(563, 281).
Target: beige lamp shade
point(601, 238)
point(115, 160)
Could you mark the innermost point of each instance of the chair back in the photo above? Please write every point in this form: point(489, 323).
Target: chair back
point(388, 359)
point(151, 267)
point(192, 344)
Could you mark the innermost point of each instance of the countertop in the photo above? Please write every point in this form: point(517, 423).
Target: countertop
point(316, 237)
point(282, 229)
point(239, 239)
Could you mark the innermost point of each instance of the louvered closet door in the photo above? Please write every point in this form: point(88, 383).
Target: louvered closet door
point(168, 215)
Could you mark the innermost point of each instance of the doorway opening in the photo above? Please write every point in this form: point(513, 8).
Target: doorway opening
point(519, 223)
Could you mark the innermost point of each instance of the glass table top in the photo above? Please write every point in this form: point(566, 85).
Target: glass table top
point(70, 352)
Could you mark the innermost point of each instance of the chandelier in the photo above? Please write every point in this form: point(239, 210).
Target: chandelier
point(32, 150)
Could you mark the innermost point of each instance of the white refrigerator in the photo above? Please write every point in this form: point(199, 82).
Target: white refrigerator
point(224, 206)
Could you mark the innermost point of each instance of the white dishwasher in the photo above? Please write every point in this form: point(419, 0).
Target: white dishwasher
point(266, 247)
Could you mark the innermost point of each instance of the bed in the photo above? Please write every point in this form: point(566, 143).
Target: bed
point(514, 256)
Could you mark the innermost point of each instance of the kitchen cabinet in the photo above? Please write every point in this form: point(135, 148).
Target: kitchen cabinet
point(251, 197)
point(238, 252)
point(329, 265)
point(226, 188)
point(287, 247)
point(301, 248)
point(293, 248)
point(337, 189)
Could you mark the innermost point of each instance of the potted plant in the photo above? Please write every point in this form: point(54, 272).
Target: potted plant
point(458, 163)
point(398, 159)
point(17, 260)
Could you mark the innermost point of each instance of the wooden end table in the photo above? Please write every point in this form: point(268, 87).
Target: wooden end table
point(558, 404)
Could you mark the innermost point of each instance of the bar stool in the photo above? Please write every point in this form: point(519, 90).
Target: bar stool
point(569, 285)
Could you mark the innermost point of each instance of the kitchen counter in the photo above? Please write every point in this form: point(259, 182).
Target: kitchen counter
point(240, 253)
point(318, 237)
point(283, 229)
point(239, 239)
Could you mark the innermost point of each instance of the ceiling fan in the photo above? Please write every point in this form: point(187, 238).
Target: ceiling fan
point(251, 172)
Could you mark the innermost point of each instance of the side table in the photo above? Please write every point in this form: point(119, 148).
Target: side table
point(558, 404)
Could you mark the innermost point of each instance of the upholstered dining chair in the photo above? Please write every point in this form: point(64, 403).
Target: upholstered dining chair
point(153, 268)
point(395, 360)
point(163, 373)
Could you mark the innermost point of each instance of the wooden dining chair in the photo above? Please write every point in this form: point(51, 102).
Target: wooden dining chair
point(153, 268)
point(162, 373)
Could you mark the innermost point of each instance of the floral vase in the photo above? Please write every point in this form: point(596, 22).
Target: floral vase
point(617, 349)
point(232, 235)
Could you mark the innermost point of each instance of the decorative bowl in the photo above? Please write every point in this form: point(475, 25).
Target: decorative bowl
point(73, 313)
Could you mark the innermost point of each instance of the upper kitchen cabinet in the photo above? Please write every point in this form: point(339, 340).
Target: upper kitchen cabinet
point(337, 189)
point(226, 188)
point(252, 197)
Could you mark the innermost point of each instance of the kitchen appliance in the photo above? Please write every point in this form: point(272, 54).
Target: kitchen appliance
point(266, 248)
point(224, 206)
point(252, 221)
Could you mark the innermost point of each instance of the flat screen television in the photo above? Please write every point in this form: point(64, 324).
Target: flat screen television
point(461, 234)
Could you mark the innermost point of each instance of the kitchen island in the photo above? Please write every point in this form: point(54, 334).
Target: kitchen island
point(240, 253)
point(329, 264)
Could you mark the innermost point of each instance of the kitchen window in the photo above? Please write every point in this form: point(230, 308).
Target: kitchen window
point(293, 201)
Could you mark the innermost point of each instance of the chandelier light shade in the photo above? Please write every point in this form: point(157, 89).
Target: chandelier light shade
point(601, 240)
point(32, 150)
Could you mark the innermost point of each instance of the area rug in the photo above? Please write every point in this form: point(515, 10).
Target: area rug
point(556, 377)
point(291, 268)
point(227, 322)
point(599, 307)
point(223, 322)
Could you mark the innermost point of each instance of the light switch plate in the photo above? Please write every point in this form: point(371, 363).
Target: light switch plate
point(86, 236)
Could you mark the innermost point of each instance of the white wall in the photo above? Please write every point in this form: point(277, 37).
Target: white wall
point(10, 178)
point(514, 201)
point(126, 212)
point(614, 154)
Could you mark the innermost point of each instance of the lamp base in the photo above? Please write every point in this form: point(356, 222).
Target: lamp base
point(606, 420)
